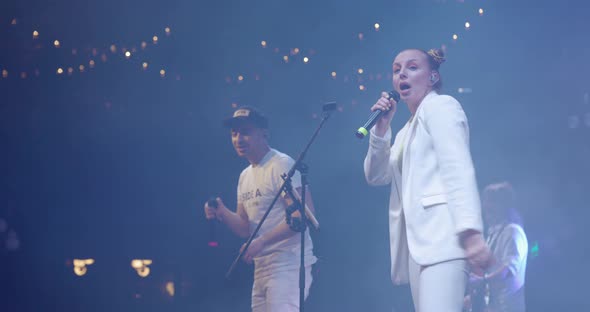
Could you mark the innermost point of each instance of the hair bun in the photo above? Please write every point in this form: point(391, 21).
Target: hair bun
point(437, 55)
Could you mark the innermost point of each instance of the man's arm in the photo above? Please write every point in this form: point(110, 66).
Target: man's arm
point(236, 221)
point(280, 232)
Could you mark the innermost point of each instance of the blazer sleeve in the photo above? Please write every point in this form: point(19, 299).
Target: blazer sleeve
point(378, 170)
point(447, 124)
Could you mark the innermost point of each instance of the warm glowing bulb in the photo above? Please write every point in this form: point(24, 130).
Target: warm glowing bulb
point(170, 289)
point(23, 75)
point(91, 63)
point(127, 54)
point(377, 26)
point(162, 73)
point(155, 39)
point(167, 30)
point(81, 68)
point(70, 70)
point(143, 44)
point(455, 37)
point(286, 58)
point(295, 51)
point(361, 36)
point(35, 34)
point(13, 22)
point(113, 48)
point(240, 77)
point(60, 71)
point(480, 11)
point(360, 71)
point(333, 74)
point(144, 65)
point(467, 25)
point(305, 59)
point(56, 43)
point(362, 88)
point(263, 43)
point(4, 73)
point(136, 263)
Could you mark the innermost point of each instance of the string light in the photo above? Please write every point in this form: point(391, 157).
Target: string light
point(377, 26)
point(362, 87)
point(95, 53)
point(305, 59)
point(360, 71)
point(240, 78)
point(144, 65)
point(333, 74)
point(286, 58)
point(263, 43)
point(361, 36)
point(467, 25)
point(480, 12)
point(162, 73)
point(455, 37)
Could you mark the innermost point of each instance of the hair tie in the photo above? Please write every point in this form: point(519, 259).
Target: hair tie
point(437, 56)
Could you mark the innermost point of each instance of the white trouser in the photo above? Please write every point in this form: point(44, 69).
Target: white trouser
point(438, 287)
point(279, 292)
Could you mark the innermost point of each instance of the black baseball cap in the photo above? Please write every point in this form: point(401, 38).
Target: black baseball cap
point(246, 115)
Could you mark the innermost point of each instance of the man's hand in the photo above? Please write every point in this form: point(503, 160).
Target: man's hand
point(254, 249)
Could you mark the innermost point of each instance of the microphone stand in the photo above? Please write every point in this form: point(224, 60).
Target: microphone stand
point(286, 187)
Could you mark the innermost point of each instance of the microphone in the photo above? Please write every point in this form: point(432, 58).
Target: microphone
point(364, 130)
point(212, 203)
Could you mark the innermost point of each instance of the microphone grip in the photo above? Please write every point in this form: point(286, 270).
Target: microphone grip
point(364, 130)
point(212, 203)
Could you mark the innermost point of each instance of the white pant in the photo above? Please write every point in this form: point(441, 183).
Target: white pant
point(279, 292)
point(438, 287)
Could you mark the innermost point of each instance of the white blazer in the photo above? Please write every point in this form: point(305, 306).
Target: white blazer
point(435, 196)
